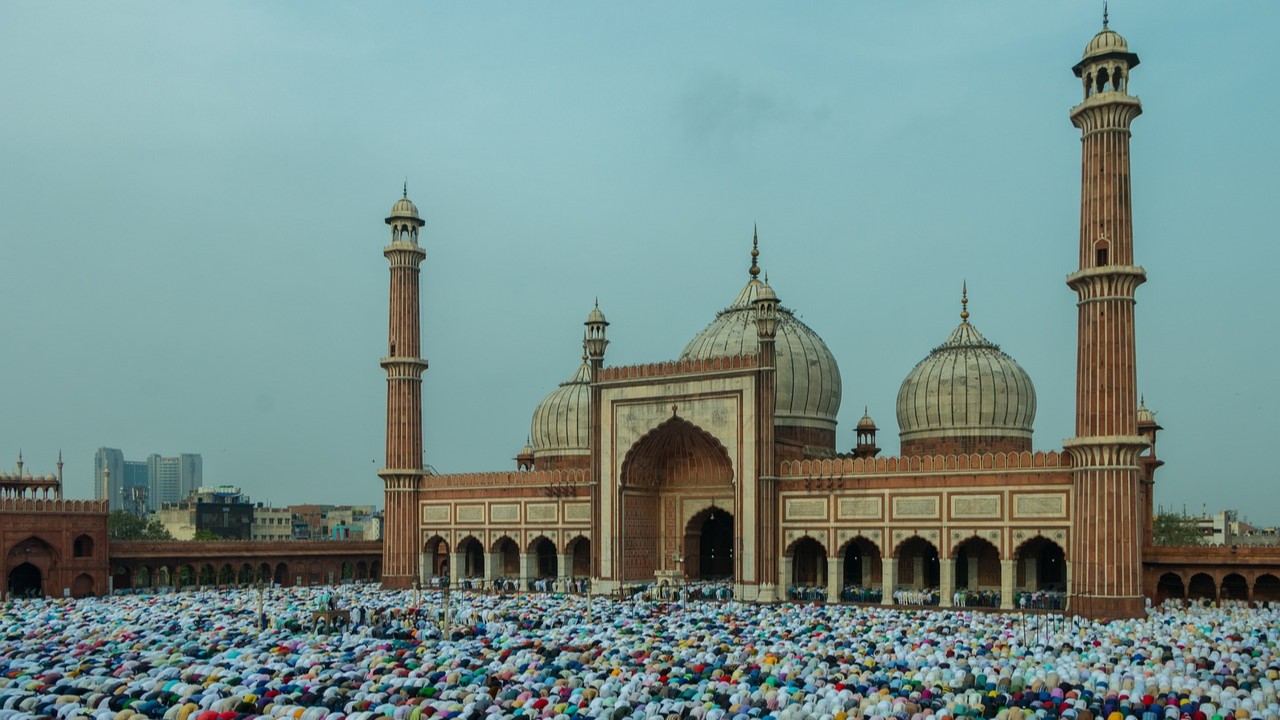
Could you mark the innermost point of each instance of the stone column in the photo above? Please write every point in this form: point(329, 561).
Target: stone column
point(889, 579)
point(564, 568)
point(1031, 570)
point(492, 568)
point(528, 568)
point(973, 582)
point(917, 572)
point(1008, 573)
point(784, 579)
point(456, 573)
point(835, 578)
point(946, 581)
point(867, 580)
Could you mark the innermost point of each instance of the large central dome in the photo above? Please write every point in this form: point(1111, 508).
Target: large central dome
point(808, 378)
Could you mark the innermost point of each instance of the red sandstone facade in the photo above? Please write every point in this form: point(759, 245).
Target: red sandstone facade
point(723, 465)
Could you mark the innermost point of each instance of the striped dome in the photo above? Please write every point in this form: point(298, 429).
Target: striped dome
point(966, 387)
point(561, 420)
point(808, 378)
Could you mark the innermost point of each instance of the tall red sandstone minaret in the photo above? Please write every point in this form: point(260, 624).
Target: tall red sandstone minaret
point(404, 367)
point(1106, 543)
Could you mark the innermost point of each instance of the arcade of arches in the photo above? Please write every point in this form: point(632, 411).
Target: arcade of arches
point(469, 566)
point(136, 565)
point(975, 564)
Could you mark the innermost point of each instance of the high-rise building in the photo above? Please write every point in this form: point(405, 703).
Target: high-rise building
point(171, 479)
point(109, 477)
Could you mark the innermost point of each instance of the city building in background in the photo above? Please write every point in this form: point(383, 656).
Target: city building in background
point(142, 486)
point(336, 522)
point(223, 511)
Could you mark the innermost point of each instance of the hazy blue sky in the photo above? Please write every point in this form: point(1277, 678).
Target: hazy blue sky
point(192, 195)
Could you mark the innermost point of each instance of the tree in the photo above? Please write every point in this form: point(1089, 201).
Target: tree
point(122, 525)
point(204, 535)
point(1176, 529)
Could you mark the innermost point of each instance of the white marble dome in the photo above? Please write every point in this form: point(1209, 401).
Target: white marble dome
point(561, 422)
point(808, 378)
point(404, 208)
point(966, 387)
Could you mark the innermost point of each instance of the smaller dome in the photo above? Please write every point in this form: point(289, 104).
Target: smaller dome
point(766, 293)
point(866, 423)
point(1145, 416)
point(1106, 41)
point(404, 208)
point(595, 316)
point(560, 422)
point(51, 478)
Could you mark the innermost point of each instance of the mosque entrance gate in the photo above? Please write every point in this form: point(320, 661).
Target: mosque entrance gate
point(677, 506)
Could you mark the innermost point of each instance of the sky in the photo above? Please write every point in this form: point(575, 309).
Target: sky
point(192, 199)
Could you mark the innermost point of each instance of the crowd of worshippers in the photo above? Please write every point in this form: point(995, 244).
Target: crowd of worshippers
point(201, 655)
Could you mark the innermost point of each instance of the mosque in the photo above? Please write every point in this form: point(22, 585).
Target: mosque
point(722, 463)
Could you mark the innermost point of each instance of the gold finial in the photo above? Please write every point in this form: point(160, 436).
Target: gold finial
point(584, 347)
point(674, 408)
point(755, 250)
point(964, 301)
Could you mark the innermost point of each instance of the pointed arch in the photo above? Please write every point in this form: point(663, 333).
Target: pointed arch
point(676, 453)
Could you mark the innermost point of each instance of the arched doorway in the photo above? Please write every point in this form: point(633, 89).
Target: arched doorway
point(1202, 587)
point(808, 566)
point(508, 557)
point(82, 586)
point(1042, 566)
point(862, 568)
point(472, 558)
point(1169, 586)
point(580, 554)
point(977, 565)
point(917, 564)
point(544, 558)
point(25, 580)
point(708, 545)
point(82, 546)
point(281, 575)
point(672, 467)
point(1267, 588)
point(1234, 587)
point(436, 553)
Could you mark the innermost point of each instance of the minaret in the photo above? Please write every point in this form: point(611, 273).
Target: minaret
point(594, 342)
point(404, 365)
point(766, 307)
point(1105, 569)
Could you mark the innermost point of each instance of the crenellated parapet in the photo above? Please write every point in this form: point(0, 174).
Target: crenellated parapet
point(924, 464)
point(529, 478)
point(679, 367)
point(53, 505)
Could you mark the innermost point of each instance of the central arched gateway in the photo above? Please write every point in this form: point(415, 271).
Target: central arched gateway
point(708, 545)
point(677, 505)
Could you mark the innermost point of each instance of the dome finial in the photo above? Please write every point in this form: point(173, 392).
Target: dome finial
point(755, 250)
point(406, 188)
point(1105, 19)
point(964, 301)
point(584, 347)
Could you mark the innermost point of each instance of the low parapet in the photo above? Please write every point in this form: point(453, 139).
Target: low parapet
point(924, 464)
point(525, 478)
point(53, 505)
point(679, 367)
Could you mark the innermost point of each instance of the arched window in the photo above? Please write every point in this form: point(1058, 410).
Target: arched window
point(1102, 80)
point(83, 546)
point(1101, 252)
